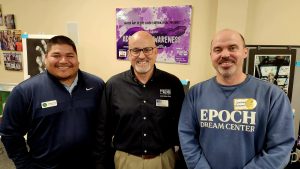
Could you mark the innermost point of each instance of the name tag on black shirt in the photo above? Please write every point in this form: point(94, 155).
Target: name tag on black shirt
point(162, 103)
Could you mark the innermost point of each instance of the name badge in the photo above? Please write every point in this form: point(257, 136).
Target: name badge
point(244, 104)
point(48, 104)
point(162, 103)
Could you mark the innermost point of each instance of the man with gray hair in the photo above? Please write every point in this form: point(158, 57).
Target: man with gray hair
point(143, 104)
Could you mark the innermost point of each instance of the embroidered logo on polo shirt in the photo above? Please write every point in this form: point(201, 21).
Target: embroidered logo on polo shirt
point(165, 92)
point(48, 104)
point(87, 89)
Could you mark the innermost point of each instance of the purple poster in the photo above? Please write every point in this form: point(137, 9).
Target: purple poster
point(169, 25)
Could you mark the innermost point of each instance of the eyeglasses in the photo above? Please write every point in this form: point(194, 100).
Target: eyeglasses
point(135, 52)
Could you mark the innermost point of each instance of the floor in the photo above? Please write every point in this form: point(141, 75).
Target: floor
point(5, 162)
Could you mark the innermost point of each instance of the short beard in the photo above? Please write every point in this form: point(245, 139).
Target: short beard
point(142, 70)
point(226, 73)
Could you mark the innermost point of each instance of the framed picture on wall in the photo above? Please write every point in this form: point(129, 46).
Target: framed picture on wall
point(34, 50)
point(276, 66)
point(10, 40)
point(12, 61)
point(10, 21)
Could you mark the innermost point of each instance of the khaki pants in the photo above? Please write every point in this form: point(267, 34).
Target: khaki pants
point(125, 160)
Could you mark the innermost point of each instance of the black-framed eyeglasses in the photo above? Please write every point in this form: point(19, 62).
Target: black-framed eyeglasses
point(135, 52)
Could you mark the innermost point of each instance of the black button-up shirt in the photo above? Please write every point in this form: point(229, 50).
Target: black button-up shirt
point(144, 117)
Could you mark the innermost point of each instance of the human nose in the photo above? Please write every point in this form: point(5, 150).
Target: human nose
point(141, 55)
point(225, 54)
point(63, 59)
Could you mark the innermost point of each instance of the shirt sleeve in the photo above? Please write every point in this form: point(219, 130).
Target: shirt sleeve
point(189, 136)
point(103, 152)
point(178, 99)
point(14, 126)
point(279, 139)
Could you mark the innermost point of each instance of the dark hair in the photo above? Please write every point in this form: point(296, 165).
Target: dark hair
point(60, 39)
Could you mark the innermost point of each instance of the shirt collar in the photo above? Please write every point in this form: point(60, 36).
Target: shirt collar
point(70, 89)
point(154, 75)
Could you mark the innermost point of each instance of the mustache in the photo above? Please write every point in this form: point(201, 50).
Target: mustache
point(226, 59)
point(64, 64)
point(142, 60)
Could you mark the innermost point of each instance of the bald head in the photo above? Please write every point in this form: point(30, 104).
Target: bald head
point(229, 32)
point(141, 35)
point(142, 53)
point(227, 53)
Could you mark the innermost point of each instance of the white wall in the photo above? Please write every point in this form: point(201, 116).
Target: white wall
point(261, 21)
point(97, 35)
point(273, 22)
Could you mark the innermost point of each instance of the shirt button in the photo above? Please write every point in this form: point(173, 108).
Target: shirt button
point(144, 118)
point(145, 151)
point(144, 101)
point(145, 134)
